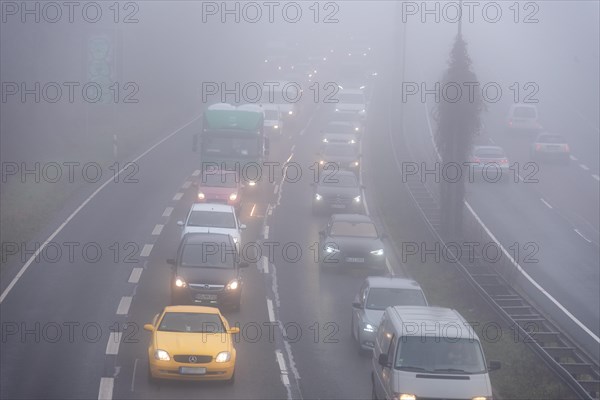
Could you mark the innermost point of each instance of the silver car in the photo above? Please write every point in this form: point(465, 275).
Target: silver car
point(375, 295)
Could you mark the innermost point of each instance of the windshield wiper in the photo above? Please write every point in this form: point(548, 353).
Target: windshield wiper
point(456, 370)
point(410, 368)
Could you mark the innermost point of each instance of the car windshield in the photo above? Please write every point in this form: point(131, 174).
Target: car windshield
point(382, 298)
point(208, 255)
point(351, 98)
point(331, 178)
point(339, 128)
point(444, 356)
point(345, 117)
point(340, 150)
point(551, 139)
point(227, 180)
point(213, 219)
point(231, 146)
point(191, 323)
point(271, 115)
point(356, 229)
point(524, 112)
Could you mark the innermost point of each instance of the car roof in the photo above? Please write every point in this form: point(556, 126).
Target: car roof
point(351, 217)
point(392, 282)
point(497, 148)
point(215, 207)
point(430, 321)
point(519, 105)
point(193, 309)
point(205, 237)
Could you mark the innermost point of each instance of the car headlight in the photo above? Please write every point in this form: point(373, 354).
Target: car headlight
point(322, 162)
point(352, 141)
point(233, 196)
point(337, 110)
point(233, 285)
point(406, 396)
point(357, 199)
point(378, 252)
point(368, 328)
point(201, 196)
point(355, 163)
point(223, 356)
point(325, 140)
point(275, 126)
point(290, 112)
point(180, 283)
point(162, 355)
point(331, 249)
point(481, 398)
point(356, 128)
point(251, 183)
point(318, 196)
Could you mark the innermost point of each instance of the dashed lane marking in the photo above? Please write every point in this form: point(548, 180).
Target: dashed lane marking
point(177, 196)
point(157, 229)
point(124, 305)
point(106, 388)
point(167, 212)
point(136, 273)
point(146, 250)
point(114, 341)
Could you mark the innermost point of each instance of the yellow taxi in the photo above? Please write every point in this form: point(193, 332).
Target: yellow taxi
point(191, 343)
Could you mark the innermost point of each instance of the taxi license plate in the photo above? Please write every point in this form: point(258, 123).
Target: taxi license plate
point(355, 260)
point(192, 371)
point(206, 297)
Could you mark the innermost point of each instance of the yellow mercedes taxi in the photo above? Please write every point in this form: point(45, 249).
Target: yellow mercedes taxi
point(191, 343)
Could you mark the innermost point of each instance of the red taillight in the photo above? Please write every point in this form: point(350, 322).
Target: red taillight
point(476, 159)
point(566, 148)
point(510, 122)
point(504, 161)
point(538, 146)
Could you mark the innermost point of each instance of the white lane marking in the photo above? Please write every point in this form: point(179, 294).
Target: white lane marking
point(269, 210)
point(389, 266)
point(266, 232)
point(114, 341)
point(270, 310)
point(289, 158)
point(105, 391)
point(253, 208)
point(186, 185)
point(146, 250)
point(596, 177)
point(124, 305)
point(285, 379)
point(196, 172)
point(167, 212)
point(136, 273)
point(276, 188)
point(264, 265)
point(157, 229)
point(582, 235)
point(177, 196)
point(280, 360)
point(584, 167)
point(546, 203)
point(293, 147)
point(572, 157)
point(133, 376)
point(74, 213)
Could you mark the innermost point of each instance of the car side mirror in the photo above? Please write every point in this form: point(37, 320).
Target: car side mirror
point(233, 330)
point(383, 360)
point(180, 223)
point(171, 261)
point(242, 226)
point(356, 304)
point(149, 327)
point(243, 264)
point(494, 365)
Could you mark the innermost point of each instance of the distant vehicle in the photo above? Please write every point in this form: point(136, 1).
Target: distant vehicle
point(232, 137)
point(351, 240)
point(285, 95)
point(523, 117)
point(273, 122)
point(212, 218)
point(349, 117)
point(220, 186)
point(338, 191)
point(490, 164)
point(375, 295)
point(207, 271)
point(351, 100)
point(340, 132)
point(548, 146)
point(191, 343)
point(342, 156)
point(421, 352)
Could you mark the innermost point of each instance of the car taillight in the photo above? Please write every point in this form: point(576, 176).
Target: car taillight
point(476, 159)
point(538, 146)
point(504, 161)
point(566, 148)
point(510, 122)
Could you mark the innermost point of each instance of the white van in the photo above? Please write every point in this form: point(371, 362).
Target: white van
point(523, 117)
point(428, 352)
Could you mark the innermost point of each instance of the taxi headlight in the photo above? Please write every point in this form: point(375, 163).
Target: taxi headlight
point(233, 285)
point(180, 283)
point(161, 355)
point(223, 356)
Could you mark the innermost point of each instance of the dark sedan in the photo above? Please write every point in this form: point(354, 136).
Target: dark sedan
point(351, 240)
point(341, 156)
point(338, 191)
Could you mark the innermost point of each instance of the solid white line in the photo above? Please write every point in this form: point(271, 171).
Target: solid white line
point(177, 196)
point(66, 221)
point(146, 250)
point(133, 376)
point(270, 310)
point(196, 172)
point(157, 229)
point(280, 361)
point(573, 158)
point(266, 231)
point(252, 211)
point(186, 185)
point(106, 388)
point(389, 267)
point(289, 158)
point(135, 275)
point(596, 177)
point(124, 305)
point(582, 235)
point(584, 167)
point(276, 188)
point(285, 379)
point(114, 341)
point(546, 203)
point(293, 147)
point(264, 265)
point(167, 212)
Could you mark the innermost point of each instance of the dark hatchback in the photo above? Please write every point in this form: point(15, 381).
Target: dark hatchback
point(207, 271)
